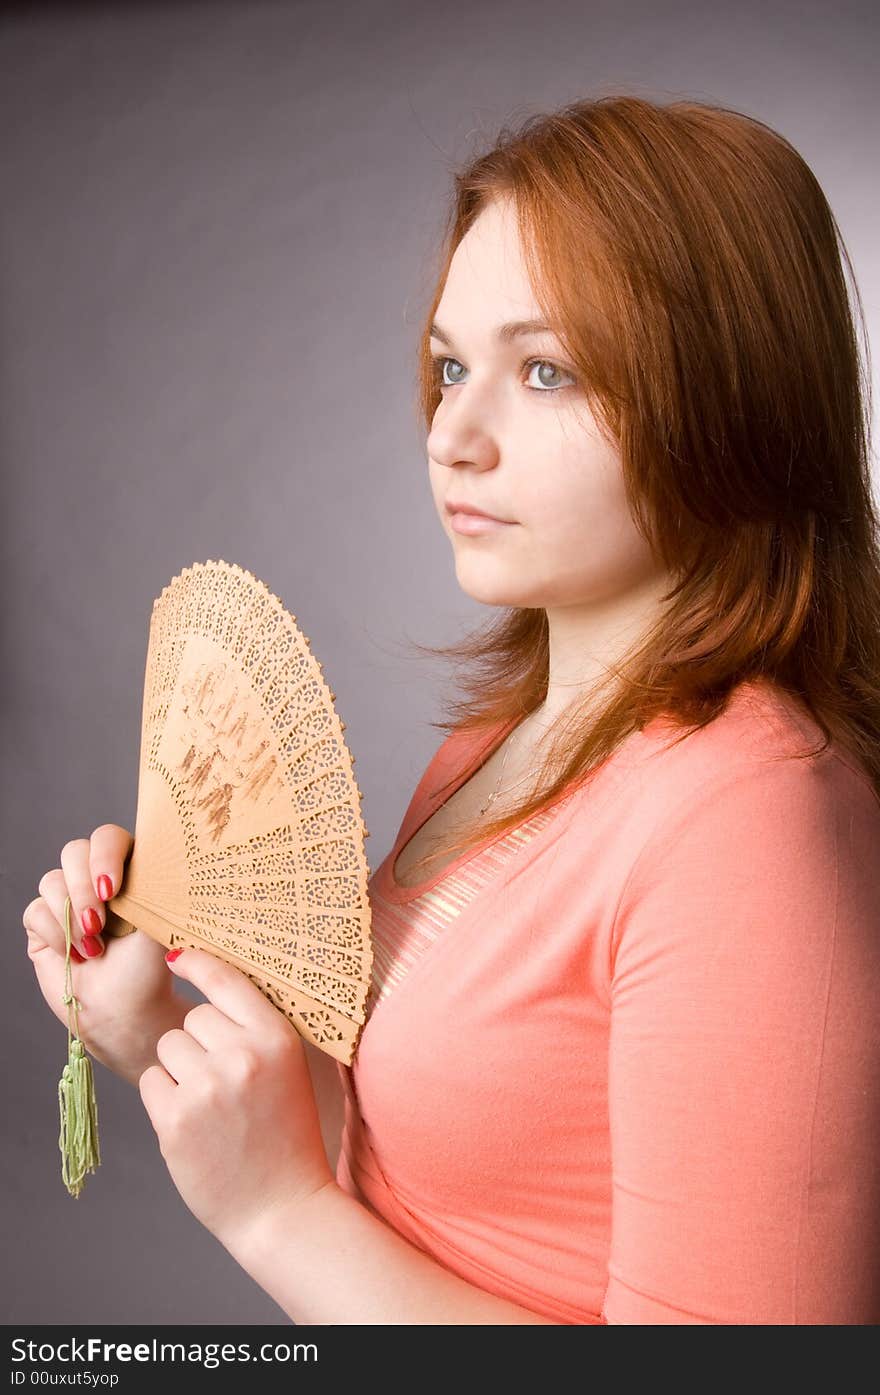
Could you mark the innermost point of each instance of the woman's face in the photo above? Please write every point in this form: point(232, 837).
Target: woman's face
point(518, 440)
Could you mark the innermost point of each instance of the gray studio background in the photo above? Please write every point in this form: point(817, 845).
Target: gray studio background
point(217, 230)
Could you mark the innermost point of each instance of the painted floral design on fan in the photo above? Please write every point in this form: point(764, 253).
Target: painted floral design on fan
point(227, 753)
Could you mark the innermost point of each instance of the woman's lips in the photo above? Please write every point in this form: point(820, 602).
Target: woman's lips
point(474, 524)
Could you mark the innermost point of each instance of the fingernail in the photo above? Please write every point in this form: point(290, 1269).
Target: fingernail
point(93, 945)
point(91, 921)
point(172, 954)
point(105, 887)
point(75, 955)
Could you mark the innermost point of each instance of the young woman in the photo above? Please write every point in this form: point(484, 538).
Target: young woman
point(622, 1058)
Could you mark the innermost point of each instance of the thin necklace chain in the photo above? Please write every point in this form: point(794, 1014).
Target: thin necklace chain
point(494, 795)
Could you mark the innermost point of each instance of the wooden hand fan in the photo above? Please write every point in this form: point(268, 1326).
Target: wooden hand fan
point(249, 841)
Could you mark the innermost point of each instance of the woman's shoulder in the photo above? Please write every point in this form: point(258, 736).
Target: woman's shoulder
point(762, 724)
point(743, 826)
point(757, 760)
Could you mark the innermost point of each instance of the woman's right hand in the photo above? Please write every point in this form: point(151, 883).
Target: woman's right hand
point(125, 991)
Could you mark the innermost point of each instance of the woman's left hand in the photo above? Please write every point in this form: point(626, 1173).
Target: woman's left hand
point(233, 1104)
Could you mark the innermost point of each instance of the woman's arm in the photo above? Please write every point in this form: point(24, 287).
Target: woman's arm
point(744, 1059)
point(329, 1099)
point(330, 1260)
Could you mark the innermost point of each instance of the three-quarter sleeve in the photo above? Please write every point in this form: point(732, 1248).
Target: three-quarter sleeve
point(744, 1055)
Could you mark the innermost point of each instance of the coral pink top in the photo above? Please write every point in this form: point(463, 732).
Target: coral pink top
point(623, 1064)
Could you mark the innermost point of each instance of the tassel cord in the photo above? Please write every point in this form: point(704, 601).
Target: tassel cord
point(78, 1139)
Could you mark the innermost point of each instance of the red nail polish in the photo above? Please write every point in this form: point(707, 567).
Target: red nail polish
point(93, 946)
point(75, 955)
point(172, 954)
point(105, 887)
point(91, 921)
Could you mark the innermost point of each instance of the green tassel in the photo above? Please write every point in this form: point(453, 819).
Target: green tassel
point(78, 1140)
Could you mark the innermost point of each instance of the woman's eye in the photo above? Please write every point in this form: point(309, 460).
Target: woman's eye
point(439, 364)
point(542, 364)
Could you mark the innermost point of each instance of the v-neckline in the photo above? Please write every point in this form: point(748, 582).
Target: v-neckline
point(390, 888)
point(543, 836)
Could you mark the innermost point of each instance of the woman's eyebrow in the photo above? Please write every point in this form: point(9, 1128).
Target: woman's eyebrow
point(505, 333)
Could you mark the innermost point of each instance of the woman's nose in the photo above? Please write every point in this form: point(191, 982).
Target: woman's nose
point(466, 423)
point(462, 440)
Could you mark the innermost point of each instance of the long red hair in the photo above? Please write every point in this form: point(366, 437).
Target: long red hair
point(696, 270)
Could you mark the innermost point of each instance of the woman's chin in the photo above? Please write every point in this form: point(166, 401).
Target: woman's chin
point(489, 590)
